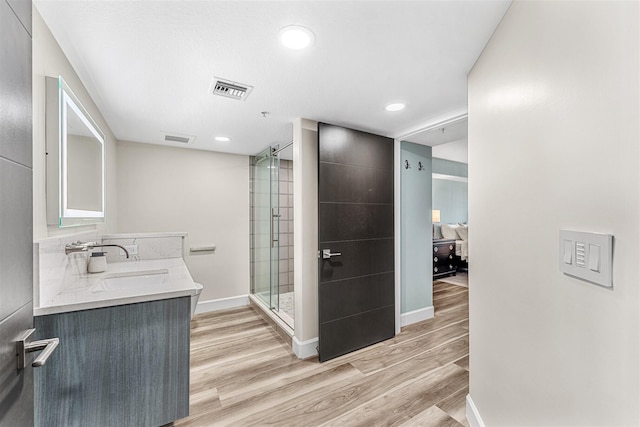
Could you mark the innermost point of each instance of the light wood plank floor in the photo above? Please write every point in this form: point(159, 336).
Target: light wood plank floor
point(242, 373)
point(461, 278)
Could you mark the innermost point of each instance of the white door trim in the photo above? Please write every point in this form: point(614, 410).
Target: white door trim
point(438, 122)
point(397, 156)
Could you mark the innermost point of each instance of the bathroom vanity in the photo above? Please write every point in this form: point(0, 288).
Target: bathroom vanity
point(126, 365)
point(123, 357)
point(122, 322)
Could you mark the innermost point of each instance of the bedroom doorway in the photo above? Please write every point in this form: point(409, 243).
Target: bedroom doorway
point(450, 192)
point(448, 140)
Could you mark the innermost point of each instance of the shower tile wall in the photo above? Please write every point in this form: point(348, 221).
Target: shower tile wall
point(286, 226)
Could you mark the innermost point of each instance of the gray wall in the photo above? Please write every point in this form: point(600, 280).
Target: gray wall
point(450, 196)
point(416, 246)
point(448, 167)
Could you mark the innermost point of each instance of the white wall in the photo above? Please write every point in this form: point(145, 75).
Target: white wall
point(50, 60)
point(554, 144)
point(305, 232)
point(203, 193)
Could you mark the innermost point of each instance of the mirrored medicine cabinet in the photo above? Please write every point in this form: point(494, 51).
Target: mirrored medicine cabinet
point(75, 159)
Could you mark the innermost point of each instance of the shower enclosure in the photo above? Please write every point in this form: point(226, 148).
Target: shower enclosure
point(272, 232)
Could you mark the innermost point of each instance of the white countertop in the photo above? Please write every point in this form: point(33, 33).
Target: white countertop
point(88, 291)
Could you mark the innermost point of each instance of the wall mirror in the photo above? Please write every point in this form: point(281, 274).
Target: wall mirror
point(75, 159)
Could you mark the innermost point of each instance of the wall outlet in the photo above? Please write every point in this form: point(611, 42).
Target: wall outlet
point(132, 249)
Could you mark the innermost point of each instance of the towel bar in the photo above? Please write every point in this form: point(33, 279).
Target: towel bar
point(203, 249)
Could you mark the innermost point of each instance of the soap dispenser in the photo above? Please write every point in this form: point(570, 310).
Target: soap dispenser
point(97, 262)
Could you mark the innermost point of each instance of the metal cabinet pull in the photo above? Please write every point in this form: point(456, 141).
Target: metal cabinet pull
point(22, 348)
point(326, 254)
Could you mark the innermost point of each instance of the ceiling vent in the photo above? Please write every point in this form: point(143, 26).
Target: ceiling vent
point(230, 89)
point(181, 139)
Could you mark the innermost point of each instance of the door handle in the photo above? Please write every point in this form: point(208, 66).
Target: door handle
point(23, 347)
point(326, 254)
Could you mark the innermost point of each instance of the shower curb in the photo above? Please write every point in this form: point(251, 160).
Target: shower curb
point(283, 331)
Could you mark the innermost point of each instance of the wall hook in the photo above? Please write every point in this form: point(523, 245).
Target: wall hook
point(406, 164)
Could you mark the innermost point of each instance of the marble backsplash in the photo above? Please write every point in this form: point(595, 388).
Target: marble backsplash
point(149, 245)
point(53, 270)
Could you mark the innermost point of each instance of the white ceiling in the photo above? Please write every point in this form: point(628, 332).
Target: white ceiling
point(449, 140)
point(148, 64)
point(456, 151)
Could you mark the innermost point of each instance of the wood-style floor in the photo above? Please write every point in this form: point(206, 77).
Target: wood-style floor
point(242, 373)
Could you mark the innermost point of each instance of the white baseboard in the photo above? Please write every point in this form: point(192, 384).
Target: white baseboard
point(416, 316)
point(222, 304)
point(473, 416)
point(305, 349)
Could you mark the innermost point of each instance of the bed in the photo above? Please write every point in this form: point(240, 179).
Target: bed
point(459, 233)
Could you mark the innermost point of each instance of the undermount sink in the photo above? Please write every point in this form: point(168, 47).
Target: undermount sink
point(135, 279)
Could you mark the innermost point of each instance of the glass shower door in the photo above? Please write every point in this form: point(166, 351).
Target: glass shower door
point(266, 228)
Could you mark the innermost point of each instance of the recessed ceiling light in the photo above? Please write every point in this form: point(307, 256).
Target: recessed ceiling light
point(395, 107)
point(222, 138)
point(296, 37)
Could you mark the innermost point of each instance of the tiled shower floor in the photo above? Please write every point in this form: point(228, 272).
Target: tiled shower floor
point(286, 311)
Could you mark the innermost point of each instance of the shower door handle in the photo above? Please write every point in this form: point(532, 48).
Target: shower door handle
point(274, 215)
point(326, 254)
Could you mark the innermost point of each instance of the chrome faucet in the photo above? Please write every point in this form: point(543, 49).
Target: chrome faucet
point(85, 246)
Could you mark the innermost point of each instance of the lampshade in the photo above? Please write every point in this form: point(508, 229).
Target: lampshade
point(435, 215)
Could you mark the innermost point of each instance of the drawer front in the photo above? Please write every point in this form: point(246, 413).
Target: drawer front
point(444, 268)
point(444, 261)
point(444, 248)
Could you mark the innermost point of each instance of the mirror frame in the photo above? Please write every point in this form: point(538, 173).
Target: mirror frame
point(59, 99)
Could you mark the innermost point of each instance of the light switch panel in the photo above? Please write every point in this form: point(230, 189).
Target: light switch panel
point(580, 254)
point(568, 252)
point(587, 256)
point(594, 257)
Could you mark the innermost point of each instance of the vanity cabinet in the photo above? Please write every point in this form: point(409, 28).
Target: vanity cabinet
point(125, 365)
point(444, 258)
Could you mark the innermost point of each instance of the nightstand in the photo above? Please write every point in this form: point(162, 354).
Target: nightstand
point(444, 254)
